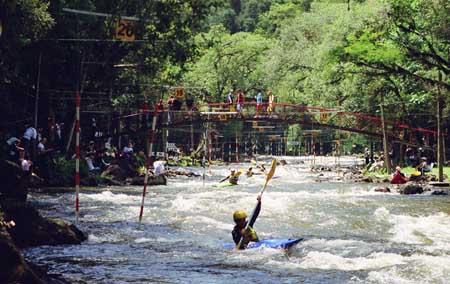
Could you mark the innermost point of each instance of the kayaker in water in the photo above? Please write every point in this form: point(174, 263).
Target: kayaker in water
point(239, 231)
point(262, 168)
point(233, 178)
point(249, 172)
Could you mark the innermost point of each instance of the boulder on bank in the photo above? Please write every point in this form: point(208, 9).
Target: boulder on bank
point(383, 189)
point(411, 188)
point(89, 181)
point(30, 229)
point(152, 180)
point(439, 192)
point(114, 172)
point(13, 267)
point(14, 181)
point(33, 230)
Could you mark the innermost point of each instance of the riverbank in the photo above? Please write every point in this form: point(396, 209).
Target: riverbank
point(383, 175)
point(58, 171)
point(22, 226)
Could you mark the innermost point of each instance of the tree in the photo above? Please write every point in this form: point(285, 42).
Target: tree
point(23, 23)
point(228, 61)
point(412, 41)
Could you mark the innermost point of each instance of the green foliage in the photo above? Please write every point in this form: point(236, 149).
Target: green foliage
point(351, 55)
point(63, 171)
point(371, 47)
point(278, 14)
point(228, 61)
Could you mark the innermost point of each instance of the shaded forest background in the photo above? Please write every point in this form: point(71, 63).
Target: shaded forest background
point(352, 55)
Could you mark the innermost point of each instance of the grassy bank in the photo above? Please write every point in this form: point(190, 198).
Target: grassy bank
point(382, 174)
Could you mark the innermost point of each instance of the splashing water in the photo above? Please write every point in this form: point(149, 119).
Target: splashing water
point(353, 234)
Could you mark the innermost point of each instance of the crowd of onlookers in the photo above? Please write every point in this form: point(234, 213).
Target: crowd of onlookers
point(35, 150)
point(413, 158)
point(31, 149)
point(236, 101)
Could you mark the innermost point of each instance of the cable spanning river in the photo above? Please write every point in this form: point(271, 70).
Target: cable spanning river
point(353, 234)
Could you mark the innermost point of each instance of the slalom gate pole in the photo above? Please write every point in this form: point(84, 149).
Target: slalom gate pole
point(204, 156)
point(77, 155)
point(149, 162)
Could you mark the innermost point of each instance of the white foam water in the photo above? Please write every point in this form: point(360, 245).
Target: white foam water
point(352, 234)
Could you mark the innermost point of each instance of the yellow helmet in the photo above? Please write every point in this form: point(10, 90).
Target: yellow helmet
point(239, 215)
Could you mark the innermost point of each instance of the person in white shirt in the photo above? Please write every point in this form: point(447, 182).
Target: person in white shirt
point(108, 143)
point(90, 163)
point(128, 150)
point(26, 165)
point(29, 136)
point(159, 167)
point(41, 146)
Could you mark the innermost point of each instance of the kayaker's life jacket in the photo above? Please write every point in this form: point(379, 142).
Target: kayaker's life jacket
point(233, 179)
point(249, 236)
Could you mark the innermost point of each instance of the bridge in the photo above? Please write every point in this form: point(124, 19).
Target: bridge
point(310, 117)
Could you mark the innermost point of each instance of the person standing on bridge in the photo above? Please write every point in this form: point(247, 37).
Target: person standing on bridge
point(170, 103)
point(230, 100)
point(240, 100)
point(160, 110)
point(258, 102)
point(271, 106)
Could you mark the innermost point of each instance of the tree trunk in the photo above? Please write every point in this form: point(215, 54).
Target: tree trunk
point(387, 159)
point(440, 144)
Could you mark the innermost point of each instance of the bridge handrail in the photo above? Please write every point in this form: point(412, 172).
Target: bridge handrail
point(284, 106)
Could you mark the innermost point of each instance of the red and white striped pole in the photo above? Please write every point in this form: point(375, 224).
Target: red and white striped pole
point(77, 153)
point(149, 162)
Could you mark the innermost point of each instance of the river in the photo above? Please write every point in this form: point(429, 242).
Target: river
point(352, 234)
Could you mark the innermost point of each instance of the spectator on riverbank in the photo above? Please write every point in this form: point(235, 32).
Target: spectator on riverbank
point(398, 177)
point(128, 150)
point(90, 163)
point(367, 156)
point(159, 168)
point(90, 150)
point(41, 147)
point(29, 139)
point(14, 149)
point(26, 165)
point(409, 156)
point(423, 167)
point(59, 129)
point(40, 134)
point(43, 160)
point(50, 130)
point(8, 225)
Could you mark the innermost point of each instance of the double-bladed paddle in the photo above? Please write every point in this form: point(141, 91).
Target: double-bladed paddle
point(268, 178)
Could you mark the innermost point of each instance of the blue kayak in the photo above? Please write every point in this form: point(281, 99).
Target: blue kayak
point(269, 243)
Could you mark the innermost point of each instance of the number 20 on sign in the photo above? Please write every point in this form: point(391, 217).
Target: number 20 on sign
point(125, 30)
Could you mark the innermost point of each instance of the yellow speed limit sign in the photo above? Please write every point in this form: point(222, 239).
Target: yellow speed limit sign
point(125, 30)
